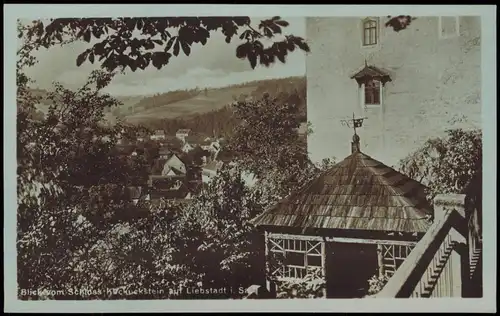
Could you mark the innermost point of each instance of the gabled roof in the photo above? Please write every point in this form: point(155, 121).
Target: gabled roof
point(164, 151)
point(184, 131)
point(359, 193)
point(180, 193)
point(371, 72)
point(176, 171)
point(194, 139)
point(213, 165)
point(158, 166)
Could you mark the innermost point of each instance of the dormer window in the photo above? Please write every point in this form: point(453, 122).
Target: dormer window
point(372, 92)
point(371, 81)
point(370, 32)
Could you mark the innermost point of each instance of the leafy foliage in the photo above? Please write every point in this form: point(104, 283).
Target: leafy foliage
point(308, 287)
point(446, 165)
point(214, 236)
point(399, 22)
point(157, 42)
point(66, 172)
point(77, 228)
point(267, 144)
point(377, 283)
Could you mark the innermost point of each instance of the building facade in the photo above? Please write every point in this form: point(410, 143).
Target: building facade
point(411, 84)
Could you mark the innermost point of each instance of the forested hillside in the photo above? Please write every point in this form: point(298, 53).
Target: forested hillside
point(221, 121)
point(207, 111)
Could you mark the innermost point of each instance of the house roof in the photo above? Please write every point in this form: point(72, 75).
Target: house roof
point(164, 150)
point(359, 193)
point(176, 171)
point(136, 192)
point(184, 131)
point(158, 166)
point(213, 165)
point(180, 193)
point(195, 139)
point(371, 72)
point(225, 155)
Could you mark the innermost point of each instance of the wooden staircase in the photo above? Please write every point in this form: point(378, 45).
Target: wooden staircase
point(436, 270)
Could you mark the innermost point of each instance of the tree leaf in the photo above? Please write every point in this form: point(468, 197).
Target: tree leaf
point(91, 57)
point(241, 51)
point(170, 43)
point(176, 47)
point(275, 28)
point(81, 58)
point(96, 32)
point(281, 56)
point(86, 36)
point(267, 32)
point(185, 48)
point(149, 44)
point(140, 24)
point(282, 23)
point(252, 58)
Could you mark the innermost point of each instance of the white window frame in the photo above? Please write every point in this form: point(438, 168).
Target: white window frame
point(377, 32)
point(303, 247)
point(453, 34)
point(393, 256)
point(362, 97)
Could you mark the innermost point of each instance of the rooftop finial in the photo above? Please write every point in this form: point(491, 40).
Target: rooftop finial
point(366, 63)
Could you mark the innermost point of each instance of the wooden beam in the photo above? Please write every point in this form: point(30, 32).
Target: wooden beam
point(380, 259)
point(267, 267)
point(323, 265)
point(341, 239)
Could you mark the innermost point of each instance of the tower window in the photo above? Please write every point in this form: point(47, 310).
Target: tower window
point(370, 34)
point(372, 92)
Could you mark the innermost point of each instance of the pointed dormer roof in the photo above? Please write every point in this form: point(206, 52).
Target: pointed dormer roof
point(359, 193)
point(369, 73)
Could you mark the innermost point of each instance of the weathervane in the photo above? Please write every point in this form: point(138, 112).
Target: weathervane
point(354, 122)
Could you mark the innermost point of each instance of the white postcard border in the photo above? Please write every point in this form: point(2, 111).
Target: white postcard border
point(488, 41)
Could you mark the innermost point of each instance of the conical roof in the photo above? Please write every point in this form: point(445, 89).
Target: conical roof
point(359, 193)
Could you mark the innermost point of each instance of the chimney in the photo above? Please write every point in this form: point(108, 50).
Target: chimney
point(355, 144)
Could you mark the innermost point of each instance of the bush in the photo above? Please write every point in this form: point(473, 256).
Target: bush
point(377, 283)
point(309, 287)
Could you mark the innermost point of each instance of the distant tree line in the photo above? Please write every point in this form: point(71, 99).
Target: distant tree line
point(223, 122)
point(166, 98)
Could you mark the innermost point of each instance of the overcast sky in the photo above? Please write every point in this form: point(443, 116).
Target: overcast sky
point(212, 65)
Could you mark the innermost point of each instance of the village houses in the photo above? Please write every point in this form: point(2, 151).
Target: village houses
point(210, 170)
point(158, 135)
point(182, 133)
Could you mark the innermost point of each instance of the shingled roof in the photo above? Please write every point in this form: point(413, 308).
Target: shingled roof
point(359, 193)
point(371, 72)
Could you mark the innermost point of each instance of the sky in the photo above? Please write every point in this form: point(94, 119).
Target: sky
point(212, 65)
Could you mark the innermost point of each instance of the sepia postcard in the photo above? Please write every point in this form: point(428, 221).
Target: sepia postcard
point(249, 158)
